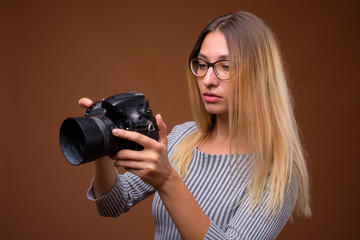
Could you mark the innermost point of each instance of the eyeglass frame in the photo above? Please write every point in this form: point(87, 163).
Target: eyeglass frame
point(208, 66)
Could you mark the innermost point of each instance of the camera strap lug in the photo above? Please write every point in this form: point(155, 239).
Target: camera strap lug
point(151, 126)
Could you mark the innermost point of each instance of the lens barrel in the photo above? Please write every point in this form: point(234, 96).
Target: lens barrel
point(83, 139)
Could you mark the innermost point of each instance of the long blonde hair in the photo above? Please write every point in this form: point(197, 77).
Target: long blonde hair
point(260, 111)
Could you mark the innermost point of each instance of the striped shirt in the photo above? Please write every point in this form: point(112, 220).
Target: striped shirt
point(221, 195)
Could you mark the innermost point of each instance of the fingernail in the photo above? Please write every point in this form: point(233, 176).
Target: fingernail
point(115, 131)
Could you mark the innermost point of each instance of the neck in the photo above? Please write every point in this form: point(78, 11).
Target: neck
point(218, 140)
point(220, 132)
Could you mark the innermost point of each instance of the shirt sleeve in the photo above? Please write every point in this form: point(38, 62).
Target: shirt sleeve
point(128, 190)
point(256, 224)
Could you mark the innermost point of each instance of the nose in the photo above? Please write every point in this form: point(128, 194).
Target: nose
point(210, 79)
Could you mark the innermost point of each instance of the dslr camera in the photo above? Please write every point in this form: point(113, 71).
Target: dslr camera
point(85, 139)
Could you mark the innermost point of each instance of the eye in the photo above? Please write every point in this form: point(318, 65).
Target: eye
point(225, 67)
point(202, 66)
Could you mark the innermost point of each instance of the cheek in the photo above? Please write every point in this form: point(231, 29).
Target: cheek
point(226, 89)
point(199, 85)
point(226, 94)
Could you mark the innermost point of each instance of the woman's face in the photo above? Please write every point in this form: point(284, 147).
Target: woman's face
point(213, 90)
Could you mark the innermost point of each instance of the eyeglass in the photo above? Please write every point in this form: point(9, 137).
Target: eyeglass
point(199, 68)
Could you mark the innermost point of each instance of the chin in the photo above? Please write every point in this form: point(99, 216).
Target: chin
point(216, 110)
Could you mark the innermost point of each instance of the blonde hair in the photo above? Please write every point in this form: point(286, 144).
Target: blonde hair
point(260, 111)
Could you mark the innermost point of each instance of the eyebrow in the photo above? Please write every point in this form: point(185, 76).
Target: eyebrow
point(221, 57)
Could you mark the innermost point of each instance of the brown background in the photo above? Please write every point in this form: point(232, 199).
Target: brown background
point(54, 52)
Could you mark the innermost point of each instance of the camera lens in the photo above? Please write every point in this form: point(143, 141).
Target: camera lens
point(83, 139)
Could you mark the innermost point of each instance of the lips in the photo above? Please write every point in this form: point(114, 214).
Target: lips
point(211, 97)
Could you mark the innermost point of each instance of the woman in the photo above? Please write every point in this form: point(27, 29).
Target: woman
point(238, 171)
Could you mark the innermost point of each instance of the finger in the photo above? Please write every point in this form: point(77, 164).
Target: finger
point(162, 129)
point(128, 164)
point(134, 137)
point(85, 102)
point(127, 154)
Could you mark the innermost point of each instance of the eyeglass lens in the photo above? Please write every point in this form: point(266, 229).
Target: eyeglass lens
point(199, 68)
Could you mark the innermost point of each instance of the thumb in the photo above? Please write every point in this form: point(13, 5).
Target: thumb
point(85, 102)
point(162, 129)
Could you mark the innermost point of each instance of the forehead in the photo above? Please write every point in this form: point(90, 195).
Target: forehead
point(214, 46)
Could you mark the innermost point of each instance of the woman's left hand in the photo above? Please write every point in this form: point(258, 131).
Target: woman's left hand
point(151, 164)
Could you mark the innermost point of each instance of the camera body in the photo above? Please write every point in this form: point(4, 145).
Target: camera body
point(84, 139)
